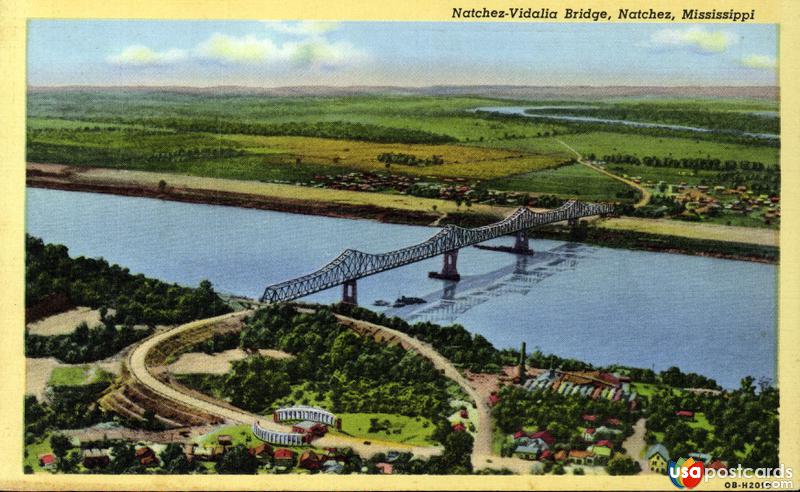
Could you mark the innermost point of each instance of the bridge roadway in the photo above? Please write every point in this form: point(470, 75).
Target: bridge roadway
point(351, 264)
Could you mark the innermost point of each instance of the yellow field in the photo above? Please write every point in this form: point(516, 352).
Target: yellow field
point(695, 230)
point(460, 161)
point(323, 195)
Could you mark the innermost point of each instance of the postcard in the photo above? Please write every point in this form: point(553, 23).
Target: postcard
point(419, 246)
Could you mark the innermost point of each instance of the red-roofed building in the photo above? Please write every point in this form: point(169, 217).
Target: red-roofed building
point(459, 427)
point(614, 422)
point(544, 436)
point(685, 413)
point(588, 434)
point(385, 468)
point(493, 399)
point(261, 449)
point(604, 442)
point(589, 418)
point(310, 460)
point(284, 457)
point(546, 455)
point(47, 460)
point(520, 434)
point(609, 378)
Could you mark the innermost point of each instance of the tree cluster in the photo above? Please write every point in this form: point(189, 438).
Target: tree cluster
point(342, 130)
point(91, 282)
point(409, 159)
point(355, 373)
point(744, 422)
point(454, 342)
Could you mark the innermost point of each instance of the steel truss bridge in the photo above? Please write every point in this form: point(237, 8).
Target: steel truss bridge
point(352, 265)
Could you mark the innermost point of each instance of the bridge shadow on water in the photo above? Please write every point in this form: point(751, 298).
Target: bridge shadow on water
point(444, 306)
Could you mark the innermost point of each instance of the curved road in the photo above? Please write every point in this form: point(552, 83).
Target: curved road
point(646, 195)
point(141, 373)
point(482, 449)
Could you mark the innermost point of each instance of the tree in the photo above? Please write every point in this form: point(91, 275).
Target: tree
point(60, 445)
point(124, 461)
point(174, 460)
point(237, 461)
point(558, 469)
point(622, 465)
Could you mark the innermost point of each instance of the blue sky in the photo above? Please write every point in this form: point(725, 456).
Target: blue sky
point(272, 54)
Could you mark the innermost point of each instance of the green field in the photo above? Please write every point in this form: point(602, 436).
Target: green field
point(574, 180)
point(307, 140)
point(606, 143)
point(415, 431)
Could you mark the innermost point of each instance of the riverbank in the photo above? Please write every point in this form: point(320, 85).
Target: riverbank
point(728, 242)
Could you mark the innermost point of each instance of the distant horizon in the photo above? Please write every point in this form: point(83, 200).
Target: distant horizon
point(496, 91)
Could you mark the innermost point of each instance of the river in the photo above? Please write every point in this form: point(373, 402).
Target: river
point(710, 316)
point(525, 111)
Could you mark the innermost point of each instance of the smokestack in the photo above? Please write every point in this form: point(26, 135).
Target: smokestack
point(521, 372)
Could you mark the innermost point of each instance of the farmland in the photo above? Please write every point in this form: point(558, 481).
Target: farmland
point(575, 180)
point(430, 147)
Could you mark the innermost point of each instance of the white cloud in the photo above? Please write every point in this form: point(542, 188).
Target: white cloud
point(696, 38)
point(139, 55)
point(250, 49)
point(302, 28)
point(232, 49)
point(758, 61)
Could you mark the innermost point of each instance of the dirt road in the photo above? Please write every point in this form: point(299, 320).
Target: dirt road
point(635, 445)
point(646, 195)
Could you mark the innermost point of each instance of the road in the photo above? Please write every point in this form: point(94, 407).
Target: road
point(645, 193)
point(482, 447)
point(141, 373)
point(635, 445)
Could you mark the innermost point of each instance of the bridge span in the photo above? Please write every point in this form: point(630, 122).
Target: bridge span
point(352, 265)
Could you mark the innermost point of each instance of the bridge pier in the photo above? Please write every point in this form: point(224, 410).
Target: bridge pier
point(449, 268)
point(521, 245)
point(573, 222)
point(350, 293)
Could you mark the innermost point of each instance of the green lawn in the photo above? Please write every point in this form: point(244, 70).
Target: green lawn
point(34, 450)
point(602, 143)
point(240, 434)
point(574, 181)
point(78, 375)
point(700, 421)
point(648, 389)
point(415, 431)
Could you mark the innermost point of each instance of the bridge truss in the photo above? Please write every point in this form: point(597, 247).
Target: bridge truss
point(352, 264)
